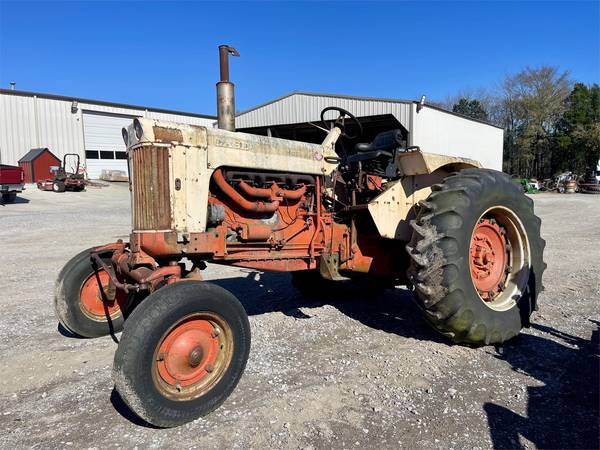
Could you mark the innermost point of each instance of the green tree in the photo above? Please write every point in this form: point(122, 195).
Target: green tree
point(578, 131)
point(550, 125)
point(470, 108)
point(532, 103)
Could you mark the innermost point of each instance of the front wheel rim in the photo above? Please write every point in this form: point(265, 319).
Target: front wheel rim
point(192, 356)
point(96, 300)
point(499, 258)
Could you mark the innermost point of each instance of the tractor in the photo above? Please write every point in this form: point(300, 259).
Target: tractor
point(65, 180)
point(464, 238)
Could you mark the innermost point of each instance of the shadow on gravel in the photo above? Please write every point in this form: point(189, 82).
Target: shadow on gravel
point(391, 310)
point(16, 201)
point(564, 412)
point(69, 334)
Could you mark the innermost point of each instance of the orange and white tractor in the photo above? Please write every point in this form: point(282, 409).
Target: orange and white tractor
point(465, 238)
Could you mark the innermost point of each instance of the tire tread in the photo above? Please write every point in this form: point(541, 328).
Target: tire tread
point(433, 281)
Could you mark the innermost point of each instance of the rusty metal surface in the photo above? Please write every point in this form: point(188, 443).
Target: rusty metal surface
point(167, 134)
point(111, 273)
point(274, 224)
point(254, 207)
point(273, 193)
point(150, 188)
point(246, 151)
point(225, 90)
point(224, 52)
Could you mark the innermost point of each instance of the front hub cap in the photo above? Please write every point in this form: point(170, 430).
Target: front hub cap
point(196, 357)
point(98, 300)
point(192, 356)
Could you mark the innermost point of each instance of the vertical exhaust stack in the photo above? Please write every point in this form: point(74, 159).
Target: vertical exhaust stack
point(225, 96)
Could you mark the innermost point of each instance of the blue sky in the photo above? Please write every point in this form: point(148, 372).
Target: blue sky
point(165, 54)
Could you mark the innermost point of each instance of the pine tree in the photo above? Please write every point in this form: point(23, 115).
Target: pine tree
point(470, 108)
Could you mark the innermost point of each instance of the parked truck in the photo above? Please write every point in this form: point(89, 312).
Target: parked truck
point(464, 238)
point(11, 182)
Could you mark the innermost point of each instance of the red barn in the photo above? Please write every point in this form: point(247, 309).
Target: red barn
point(36, 164)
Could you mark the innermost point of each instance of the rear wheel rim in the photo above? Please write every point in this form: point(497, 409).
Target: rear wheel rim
point(499, 258)
point(96, 300)
point(192, 356)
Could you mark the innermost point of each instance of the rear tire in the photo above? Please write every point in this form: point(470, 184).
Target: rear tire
point(182, 353)
point(450, 266)
point(78, 300)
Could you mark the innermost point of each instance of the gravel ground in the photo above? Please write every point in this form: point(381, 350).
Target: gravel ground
point(362, 372)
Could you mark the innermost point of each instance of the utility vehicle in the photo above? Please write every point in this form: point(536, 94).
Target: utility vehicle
point(66, 178)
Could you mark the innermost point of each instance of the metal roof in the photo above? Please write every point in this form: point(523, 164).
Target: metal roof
point(102, 102)
point(301, 107)
point(356, 105)
point(317, 94)
point(33, 154)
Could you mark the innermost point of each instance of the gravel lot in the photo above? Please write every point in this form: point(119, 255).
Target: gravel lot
point(359, 372)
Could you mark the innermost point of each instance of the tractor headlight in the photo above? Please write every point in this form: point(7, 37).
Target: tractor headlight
point(125, 136)
point(137, 126)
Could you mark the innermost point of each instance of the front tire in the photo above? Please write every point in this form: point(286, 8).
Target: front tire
point(79, 299)
point(182, 352)
point(58, 186)
point(477, 257)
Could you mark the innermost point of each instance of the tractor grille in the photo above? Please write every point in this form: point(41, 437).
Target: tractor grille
point(150, 188)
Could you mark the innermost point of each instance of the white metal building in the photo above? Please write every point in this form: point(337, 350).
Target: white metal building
point(432, 129)
point(90, 128)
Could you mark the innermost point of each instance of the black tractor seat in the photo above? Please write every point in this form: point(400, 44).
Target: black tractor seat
point(365, 156)
point(388, 140)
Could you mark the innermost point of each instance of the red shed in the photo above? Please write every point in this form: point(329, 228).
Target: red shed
point(36, 164)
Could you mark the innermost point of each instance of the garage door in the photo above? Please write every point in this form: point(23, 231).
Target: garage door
point(104, 147)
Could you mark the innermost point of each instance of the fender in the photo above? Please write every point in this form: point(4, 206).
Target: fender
point(394, 208)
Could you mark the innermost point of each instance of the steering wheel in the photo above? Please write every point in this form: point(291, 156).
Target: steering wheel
point(340, 121)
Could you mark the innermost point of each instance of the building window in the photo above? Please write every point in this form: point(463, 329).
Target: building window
point(106, 154)
point(91, 154)
point(121, 155)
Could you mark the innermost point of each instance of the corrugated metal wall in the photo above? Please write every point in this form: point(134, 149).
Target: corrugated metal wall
point(28, 122)
point(301, 108)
